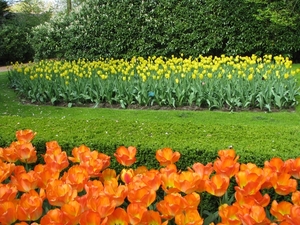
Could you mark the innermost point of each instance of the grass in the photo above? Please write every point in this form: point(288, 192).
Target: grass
point(276, 133)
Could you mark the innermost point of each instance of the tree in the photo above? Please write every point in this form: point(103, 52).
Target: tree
point(279, 12)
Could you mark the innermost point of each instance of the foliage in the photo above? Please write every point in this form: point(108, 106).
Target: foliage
point(128, 28)
point(205, 82)
point(83, 187)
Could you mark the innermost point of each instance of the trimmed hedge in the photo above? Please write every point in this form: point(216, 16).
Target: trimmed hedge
point(127, 28)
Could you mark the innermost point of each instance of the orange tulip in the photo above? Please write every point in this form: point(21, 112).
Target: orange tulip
point(249, 181)
point(227, 153)
point(284, 184)
point(56, 158)
point(92, 163)
point(29, 207)
point(25, 181)
point(6, 170)
point(280, 210)
point(53, 216)
point(135, 212)
point(143, 195)
point(26, 152)
point(89, 217)
point(78, 153)
point(277, 165)
point(228, 214)
point(190, 217)
point(168, 182)
point(152, 217)
point(93, 188)
point(295, 167)
point(116, 192)
point(166, 156)
point(193, 200)
point(25, 135)
point(9, 154)
point(105, 160)
point(108, 174)
point(295, 197)
point(203, 171)
point(125, 156)
point(151, 179)
point(254, 215)
point(226, 166)
point(217, 185)
point(187, 182)
point(293, 217)
point(8, 214)
point(172, 205)
point(59, 193)
point(72, 212)
point(127, 175)
point(119, 216)
point(44, 174)
point(141, 170)
point(249, 200)
point(8, 192)
point(76, 176)
point(103, 205)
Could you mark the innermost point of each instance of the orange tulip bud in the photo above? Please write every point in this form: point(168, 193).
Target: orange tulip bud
point(166, 156)
point(25, 135)
point(59, 193)
point(29, 207)
point(217, 185)
point(189, 217)
point(135, 212)
point(54, 216)
point(8, 214)
point(126, 156)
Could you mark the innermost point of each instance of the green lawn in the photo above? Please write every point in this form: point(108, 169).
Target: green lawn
point(271, 134)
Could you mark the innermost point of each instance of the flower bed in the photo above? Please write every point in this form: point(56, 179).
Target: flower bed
point(206, 82)
point(82, 189)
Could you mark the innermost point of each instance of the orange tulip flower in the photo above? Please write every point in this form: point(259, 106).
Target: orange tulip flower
point(151, 179)
point(141, 170)
point(143, 195)
point(116, 192)
point(228, 153)
point(135, 212)
point(56, 158)
point(89, 217)
point(295, 197)
point(92, 163)
point(254, 215)
point(103, 205)
point(168, 182)
point(293, 217)
point(25, 181)
point(26, 152)
point(93, 188)
point(281, 210)
point(228, 214)
point(29, 207)
point(127, 175)
point(166, 156)
point(72, 212)
point(284, 184)
point(45, 173)
point(189, 217)
point(193, 200)
point(6, 170)
point(217, 185)
point(59, 193)
point(152, 217)
point(8, 192)
point(76, 176)
point(108, 174)
point(249, 181)
point(119, 216)
point(187, 182)
point(249, 200)
point(203, 171)
point(125, 156)
point(9, 154)
point(294, 165)
point(53, 216)
point(78, 153)
point(25, 135)
point(226, 166)
point(8, 212)
point(105, 160)
point(172, 205)
point(277, 165)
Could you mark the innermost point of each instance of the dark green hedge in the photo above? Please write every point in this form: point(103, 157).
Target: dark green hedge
point(122, 29)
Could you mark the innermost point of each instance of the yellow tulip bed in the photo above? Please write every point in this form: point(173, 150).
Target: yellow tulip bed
point(82, 189)
point(224, 82)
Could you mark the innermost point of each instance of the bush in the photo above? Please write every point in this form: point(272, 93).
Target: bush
point(123, 29)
